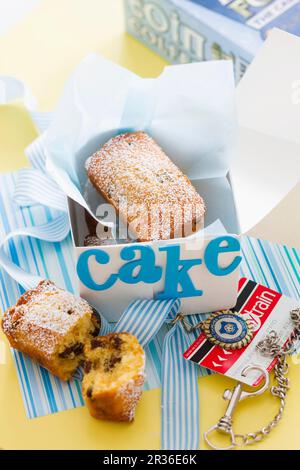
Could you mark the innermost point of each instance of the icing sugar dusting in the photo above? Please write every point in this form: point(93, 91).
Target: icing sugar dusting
point(45, 314)
point(136, 176)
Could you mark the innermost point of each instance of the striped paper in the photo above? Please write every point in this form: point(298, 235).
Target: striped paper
point(278, 267)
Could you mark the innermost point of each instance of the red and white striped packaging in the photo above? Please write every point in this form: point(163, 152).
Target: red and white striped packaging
point(268, 310)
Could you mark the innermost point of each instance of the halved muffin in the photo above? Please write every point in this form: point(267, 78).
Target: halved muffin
point(114, 376)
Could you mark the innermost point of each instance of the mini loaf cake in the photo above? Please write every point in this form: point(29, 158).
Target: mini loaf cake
point(114, 376)
point(149, 192)
point(52, 326)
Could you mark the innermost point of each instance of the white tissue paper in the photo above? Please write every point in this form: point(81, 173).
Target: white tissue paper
point(189, 110)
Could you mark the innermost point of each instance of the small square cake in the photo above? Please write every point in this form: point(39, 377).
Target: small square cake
point(114, 376)
point(150, 193)
point(52, 326)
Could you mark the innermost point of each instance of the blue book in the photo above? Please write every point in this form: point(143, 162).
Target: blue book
point(283, 14)
point(182, 31)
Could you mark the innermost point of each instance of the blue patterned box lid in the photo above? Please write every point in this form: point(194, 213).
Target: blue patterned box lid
point(261, 15)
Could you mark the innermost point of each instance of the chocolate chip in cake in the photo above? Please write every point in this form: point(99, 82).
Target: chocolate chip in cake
point(89, 392)
point(97, 343)
point(70, 311)
point(116, 342)
point(78, 349)
point(115, 360)
point(75, 349)
point(110, 363)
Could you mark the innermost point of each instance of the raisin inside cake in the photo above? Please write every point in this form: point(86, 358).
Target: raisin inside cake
point(114, 375)
point(52, 326)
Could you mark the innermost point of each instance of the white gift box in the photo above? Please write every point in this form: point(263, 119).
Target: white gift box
point(239, 190)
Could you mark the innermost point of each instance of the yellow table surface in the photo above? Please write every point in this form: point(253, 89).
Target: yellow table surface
point(42, 50)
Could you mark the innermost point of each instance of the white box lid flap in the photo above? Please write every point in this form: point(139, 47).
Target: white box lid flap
point(267, 162)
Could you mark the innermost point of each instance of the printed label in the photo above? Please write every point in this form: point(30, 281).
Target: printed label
point(268, 310)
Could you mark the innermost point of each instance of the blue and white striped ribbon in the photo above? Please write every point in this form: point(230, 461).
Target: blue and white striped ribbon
point(105, 326)
point(144, 318)
point(34, 187)
point(54, 231)
point(179, 400)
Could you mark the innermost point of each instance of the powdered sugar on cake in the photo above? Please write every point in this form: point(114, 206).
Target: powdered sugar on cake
point(54, 308)
point(46, 309)
point(135, 175)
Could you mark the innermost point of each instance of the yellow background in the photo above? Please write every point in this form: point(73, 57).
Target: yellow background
point(42, 50)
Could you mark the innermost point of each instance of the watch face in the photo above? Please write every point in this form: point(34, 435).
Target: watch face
point(228, 330)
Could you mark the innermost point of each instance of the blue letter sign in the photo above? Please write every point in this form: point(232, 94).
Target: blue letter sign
point(140, 266)
point(177, 274)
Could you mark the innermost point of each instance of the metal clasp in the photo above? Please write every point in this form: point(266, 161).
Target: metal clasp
point(188, 327)
point(234, 396)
